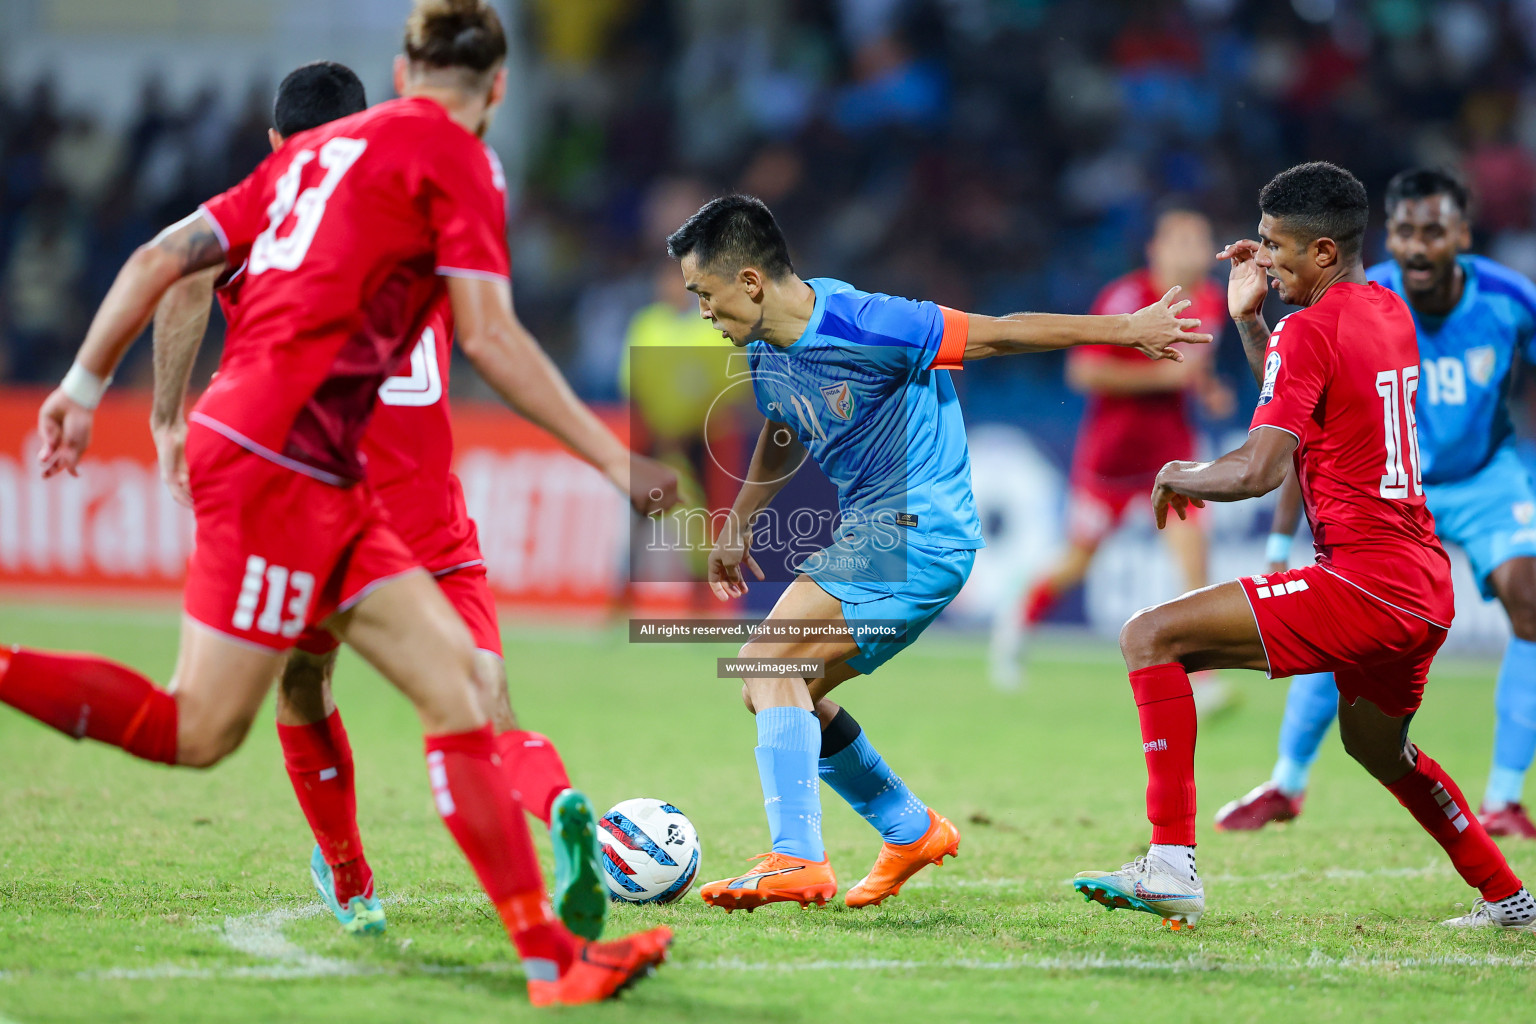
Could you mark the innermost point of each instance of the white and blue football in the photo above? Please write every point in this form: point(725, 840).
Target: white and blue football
point(650, 851)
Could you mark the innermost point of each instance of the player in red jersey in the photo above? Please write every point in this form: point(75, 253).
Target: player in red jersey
point(1137, 418)
point(350, 233)
point(408, 449)
point(1336, 399)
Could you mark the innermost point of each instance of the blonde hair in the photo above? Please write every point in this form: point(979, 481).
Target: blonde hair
point(464, 36)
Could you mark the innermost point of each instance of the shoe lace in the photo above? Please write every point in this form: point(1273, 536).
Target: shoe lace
point(1481, 911)
point(770, 861)
point(1135, 867)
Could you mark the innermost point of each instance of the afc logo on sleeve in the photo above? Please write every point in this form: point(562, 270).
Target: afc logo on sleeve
point(1271, 372)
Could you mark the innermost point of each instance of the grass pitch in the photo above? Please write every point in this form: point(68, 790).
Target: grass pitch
point(138, 893)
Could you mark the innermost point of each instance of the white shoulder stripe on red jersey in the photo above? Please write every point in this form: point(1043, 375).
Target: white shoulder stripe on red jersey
point(483, 275)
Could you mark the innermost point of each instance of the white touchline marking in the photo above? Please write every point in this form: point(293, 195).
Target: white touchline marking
point(1190, 964)
point(260, 935)
point(938, 881)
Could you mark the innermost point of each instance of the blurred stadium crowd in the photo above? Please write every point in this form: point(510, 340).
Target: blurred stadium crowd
point(988, 154)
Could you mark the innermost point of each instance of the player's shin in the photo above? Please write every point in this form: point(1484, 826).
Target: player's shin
point(474, 802)
point(1310, 705)
point(318, 758)
point(89, 697)
point(533, 768)
point(788, 739)
point(858, 774)
point(1165, 704)
point(1433, 798)
point(1514, 735)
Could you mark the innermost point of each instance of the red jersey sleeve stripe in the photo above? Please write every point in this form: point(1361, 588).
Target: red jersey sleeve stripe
point(951, 353)
point(483, 275)
point(213, 222)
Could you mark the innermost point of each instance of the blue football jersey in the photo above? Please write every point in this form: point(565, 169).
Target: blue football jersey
point(1466, 363)
point(860, 390)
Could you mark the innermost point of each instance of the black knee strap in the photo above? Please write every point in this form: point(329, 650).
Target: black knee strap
point(839, 733)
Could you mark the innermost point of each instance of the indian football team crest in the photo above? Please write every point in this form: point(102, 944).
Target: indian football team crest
point(839, 398)
point(1480, 364)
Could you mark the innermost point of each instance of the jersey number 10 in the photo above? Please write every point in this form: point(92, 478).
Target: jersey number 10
point(1397, 390)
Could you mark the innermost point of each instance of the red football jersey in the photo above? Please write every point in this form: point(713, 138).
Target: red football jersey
point(1132, 436)
point(408, 447)
point(346, 233)
point(409, 451)
point(1341, 375)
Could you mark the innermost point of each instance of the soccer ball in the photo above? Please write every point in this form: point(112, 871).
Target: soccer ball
point(650, 851)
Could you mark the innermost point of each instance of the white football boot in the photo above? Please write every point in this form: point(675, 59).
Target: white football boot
point(1148, 885)
point(1518, 913)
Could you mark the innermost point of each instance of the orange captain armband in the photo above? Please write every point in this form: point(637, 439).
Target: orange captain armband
point(957, 329)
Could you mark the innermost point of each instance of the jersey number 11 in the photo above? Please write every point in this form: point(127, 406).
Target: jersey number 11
point(1397, 390)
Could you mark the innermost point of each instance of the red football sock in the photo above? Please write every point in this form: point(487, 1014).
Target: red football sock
point(1433, 798)
point(1166, 706)
point(85, 696)
point(319, 762)
point(1042, 598)
point(534, 770)
point(487, 822)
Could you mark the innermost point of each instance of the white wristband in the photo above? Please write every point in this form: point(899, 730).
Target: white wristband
point(84, 387)
point(1278, 548)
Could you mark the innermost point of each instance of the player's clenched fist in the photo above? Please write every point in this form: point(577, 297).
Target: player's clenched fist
point(1247, 283)
point(65, 427)
point(1156, 328)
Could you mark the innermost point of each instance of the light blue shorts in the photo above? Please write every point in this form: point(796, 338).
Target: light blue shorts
point(910, 585)
point(1491, 515)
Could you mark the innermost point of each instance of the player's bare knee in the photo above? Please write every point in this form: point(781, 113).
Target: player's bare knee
point(1144, 639)
point(1522, 615)
point(202, 741)
point(746, 698)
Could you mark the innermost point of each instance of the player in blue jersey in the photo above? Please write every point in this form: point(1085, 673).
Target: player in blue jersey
point(860, 383)
point(1476, 319)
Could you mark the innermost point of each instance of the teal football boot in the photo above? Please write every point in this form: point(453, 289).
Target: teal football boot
point(362, 915)
point(580, 897)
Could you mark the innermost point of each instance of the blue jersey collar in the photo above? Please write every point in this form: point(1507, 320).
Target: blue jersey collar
point(814, 323)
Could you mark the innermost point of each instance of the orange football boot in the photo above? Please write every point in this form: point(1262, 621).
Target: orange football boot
point(896, 864)
point(602, 970)
point(775, 878)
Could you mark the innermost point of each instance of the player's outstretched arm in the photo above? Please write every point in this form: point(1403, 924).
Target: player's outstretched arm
point(64, 421)
point(180, 321)
point(778, 455)
point(1256, 468)
point(1247, 285)
point(1152, 330)
point(511, 361)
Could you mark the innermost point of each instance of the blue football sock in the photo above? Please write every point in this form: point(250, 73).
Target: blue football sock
point(857, 772)
point(787, 742)
point(1514, 731)
point(1310, 706)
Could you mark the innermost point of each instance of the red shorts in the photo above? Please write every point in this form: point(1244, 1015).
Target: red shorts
point(467, 589)
point(1314, 620)
point(1097, 505)
point(277, 551)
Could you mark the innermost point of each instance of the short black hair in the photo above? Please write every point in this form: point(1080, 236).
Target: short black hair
point(1423, 182)
point(1321, 200)
point(315, 94)
point(733, 232)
